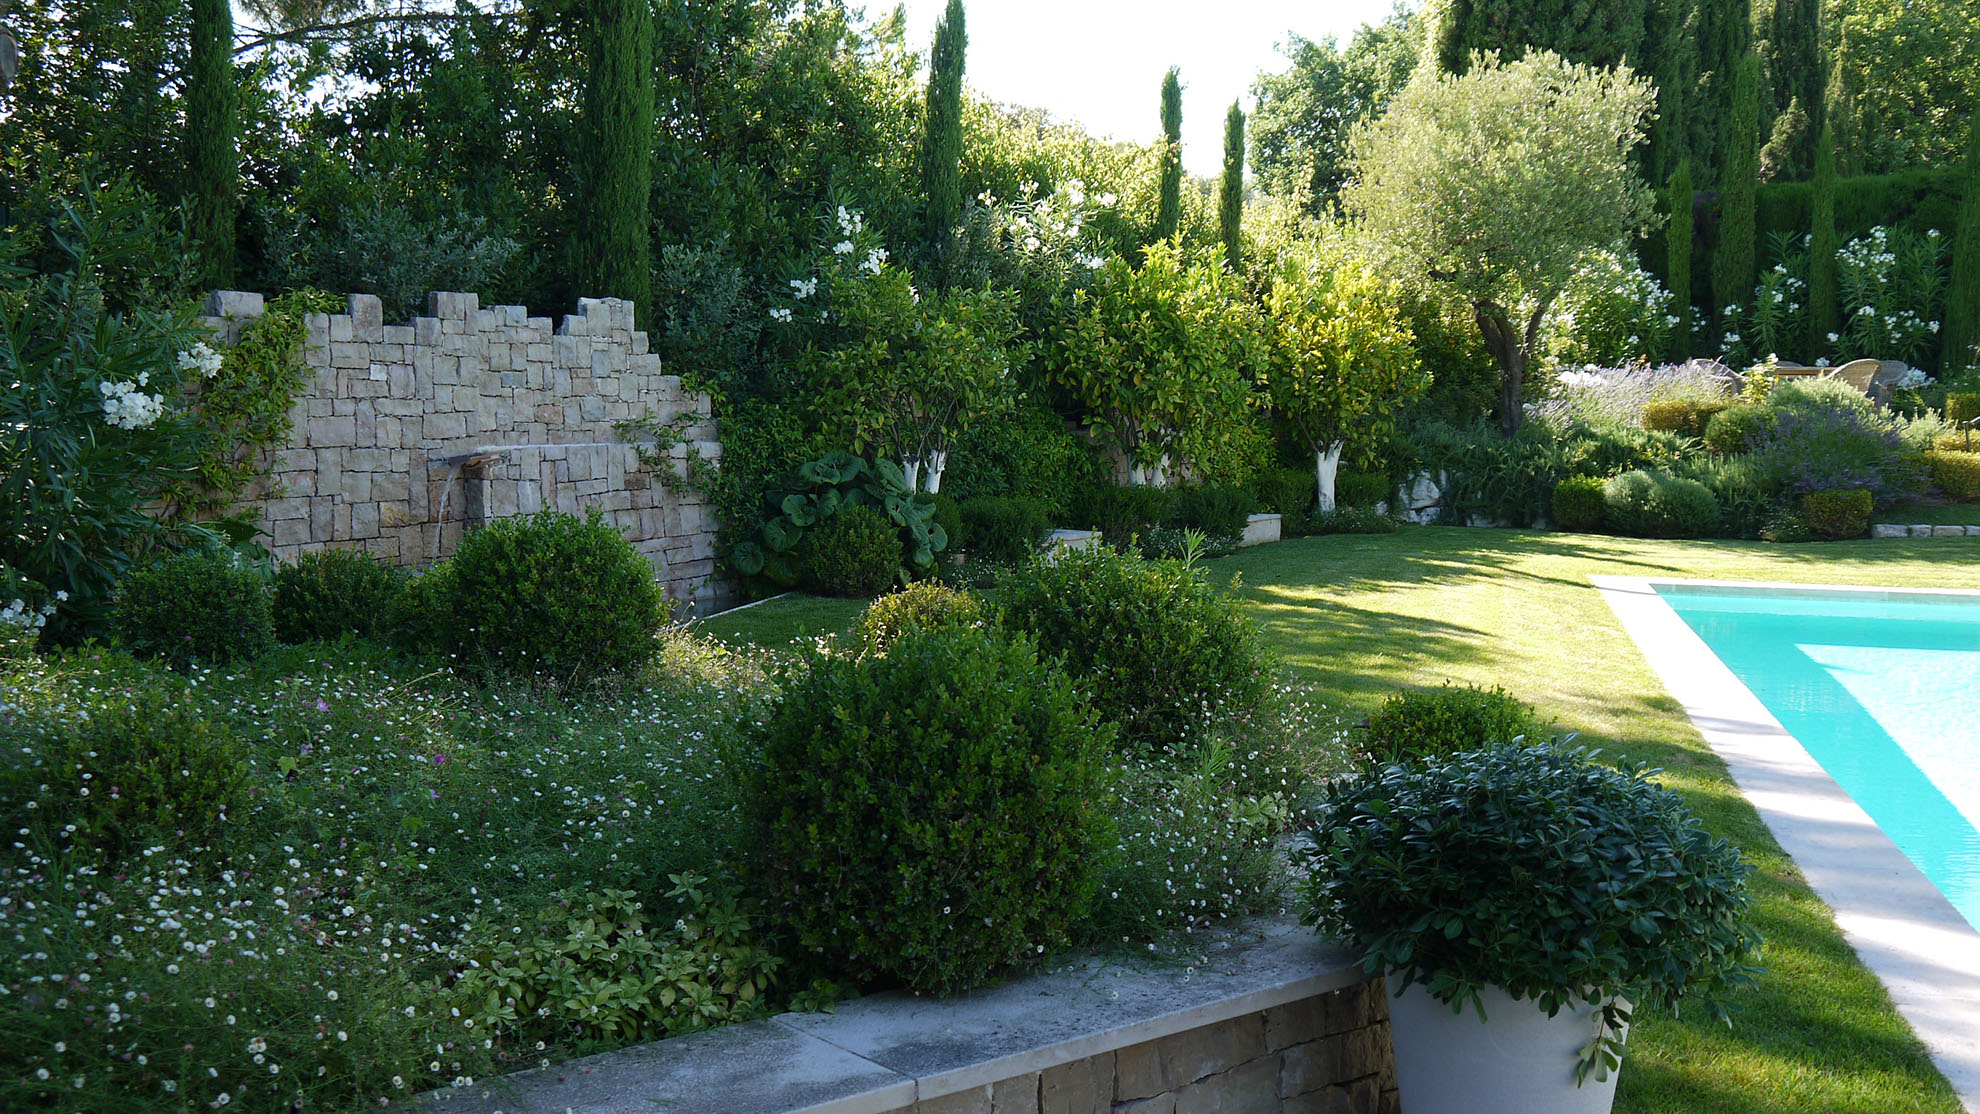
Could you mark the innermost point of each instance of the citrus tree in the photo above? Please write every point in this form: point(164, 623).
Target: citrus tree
point(1159, 354)
point(1342, 357)
point(1499, 182)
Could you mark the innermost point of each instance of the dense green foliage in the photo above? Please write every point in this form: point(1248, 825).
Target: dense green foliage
point(1733, 253)
point(1957, 473)
point(928, 816)
point(1168, 211)
point(1006, 529)
point(212, 161)
point(942, 138)
point(1156, 648)
point(1592, 32)
point(1677, 259)
point(1835, 515)
point(1577, 503)
point(614, 243)
point(1962, 316)
point(813, 494)
point(1230, 190)
point(1795, 76)
point(1438, 723)
point(1535, 870)
point(1655, 504)
point(855, 552)
point(923, 604)
point(1301, 118)
point(202, 607)
point(552, 594)
point(330, 593)
point(1822, 244)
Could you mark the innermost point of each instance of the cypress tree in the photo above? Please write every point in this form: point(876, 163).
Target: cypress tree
point(1962, 316)
point(1672, 57)
point(1677, 259)
point(1168, 213)
point(1823, 310)
point(1724, 32)
point(942, 139)
point(1732, 259)
point(1794, 53)
point(1230, 194)
point(212, 158)
point(1839, 106)
point(614, 250)
point(1592, 32)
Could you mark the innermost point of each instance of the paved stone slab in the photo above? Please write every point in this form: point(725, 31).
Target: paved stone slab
point(1094, 1007)
point(742, 1069)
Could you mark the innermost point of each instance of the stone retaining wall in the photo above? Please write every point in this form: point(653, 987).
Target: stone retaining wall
point(406, 435)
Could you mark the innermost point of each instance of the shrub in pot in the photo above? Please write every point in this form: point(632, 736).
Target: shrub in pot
point(1536, 880)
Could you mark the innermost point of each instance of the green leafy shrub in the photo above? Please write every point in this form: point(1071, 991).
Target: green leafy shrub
point(856, 553)
point(1833, 441)
point(814, 493)
point(1835, 515)
point(599, 965)
point(334, 592)
point(925, 603)
point(1956, 473)
point(203, 606)
point(1610, 449)
point(1786, 525)
point(1026, 454)
point(1361, 489)
point(1158, 650)
point(1807, 393)
point(1488, 475)
point(142, 765)
point(947, 515)
point(419, 619)
point(1962, 406)
point(1350, 520)
point(1288, 492)
point(1120, 513)
point(930, 816)
point(1747, 494)
point(1735, 428)
point(553, 594)
point(1535, 870)
point(1656, 505)
point(1004, 529)
point(1437, 723)
point(1684, 416)
point(1578, 504)
point(1211, 508)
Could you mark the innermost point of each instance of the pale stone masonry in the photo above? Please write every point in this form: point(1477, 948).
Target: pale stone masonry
point(407, 435)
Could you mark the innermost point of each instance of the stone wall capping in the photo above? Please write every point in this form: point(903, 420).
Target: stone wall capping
point(1055, 1033)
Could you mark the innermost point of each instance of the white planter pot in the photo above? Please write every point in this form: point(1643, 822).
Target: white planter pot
point(1518, 1061)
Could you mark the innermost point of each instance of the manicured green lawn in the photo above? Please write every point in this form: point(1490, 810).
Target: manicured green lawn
point(775, 622)
point(1358, 616)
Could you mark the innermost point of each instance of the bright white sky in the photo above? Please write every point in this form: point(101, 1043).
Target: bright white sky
point(1100, 62)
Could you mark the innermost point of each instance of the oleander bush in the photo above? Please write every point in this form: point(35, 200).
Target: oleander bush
point(1658, 505)
point(334, 592)
point(1155, 646)
point(1004, 529)
point(552, 594)
point(1436, 723)
point(923, 604)
point(856, 553)
point(1577, 504)
point(930, 817)
point(204, 606)
point(1835, 515)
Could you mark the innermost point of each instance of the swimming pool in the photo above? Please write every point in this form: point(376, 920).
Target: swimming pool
point(1883, 690)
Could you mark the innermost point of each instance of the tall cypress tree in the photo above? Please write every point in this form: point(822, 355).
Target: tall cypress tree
point(1962, 316)
point(1230, 193)
point(1732, 259)
point(942, 140)
point(213, 167)
point(1168, 212)
point(1824, 312)
point(615, 244)
point(1724, 32)
point(1593, 32)
point(1672, 58)
point(1677, 259)
point(1794, 51)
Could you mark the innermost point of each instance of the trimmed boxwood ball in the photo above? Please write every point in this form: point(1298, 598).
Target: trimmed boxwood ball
point(929, 817)
point(1533, 869)
point(1577, 504)
point(1736, 428)
point(1835, 515)
point(334, 592)
point(1157, 648)
point(1449, 720)
point(201, 607)
point(923, 604)
point(1652, 504)
point(856, 552)
point(1957, 473)
point(553, 594)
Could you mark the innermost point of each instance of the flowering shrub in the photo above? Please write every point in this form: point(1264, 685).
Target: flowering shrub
point(1611, 312)
point(1617, 395)
point(1824, 448)
point(1893, 285)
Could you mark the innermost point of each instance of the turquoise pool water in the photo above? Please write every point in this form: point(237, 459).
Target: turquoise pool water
point(1882, 689)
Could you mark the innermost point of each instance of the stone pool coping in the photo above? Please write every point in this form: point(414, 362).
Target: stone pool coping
point(1900, 925)
point(891, 1051)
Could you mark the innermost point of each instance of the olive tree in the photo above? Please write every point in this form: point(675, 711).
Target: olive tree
point(1499, 182)
point(1160, 353)
point(1342, 358)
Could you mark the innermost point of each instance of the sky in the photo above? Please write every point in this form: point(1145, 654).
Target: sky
point(1100, 62)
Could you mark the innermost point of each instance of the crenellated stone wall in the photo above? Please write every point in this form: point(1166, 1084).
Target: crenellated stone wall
point(407, 435)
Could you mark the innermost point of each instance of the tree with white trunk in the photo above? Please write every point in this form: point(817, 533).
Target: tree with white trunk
point(1342, 357)
point(1499, 182)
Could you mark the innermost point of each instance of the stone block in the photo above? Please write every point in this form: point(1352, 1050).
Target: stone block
point(449, 305)
point(1973, 531)
point(1242, 1090)
point(975, 1100)
point(1160, 1104)
point(500, 356)
point(1948, 531)
point(1080, 1087)
point(1296, 1022)
point(1922, 530)
point(322, 518)
point(426, 330)
point(334, 431)
point(400, 334)
point(513, 317)
point(241, 304)
point(367, 317)
point(1015, 1096)
point(341, 329)
point(1328, 1100)
point(485, 320)
point(350, 354)
point(400, 380)
point(1889, 530)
